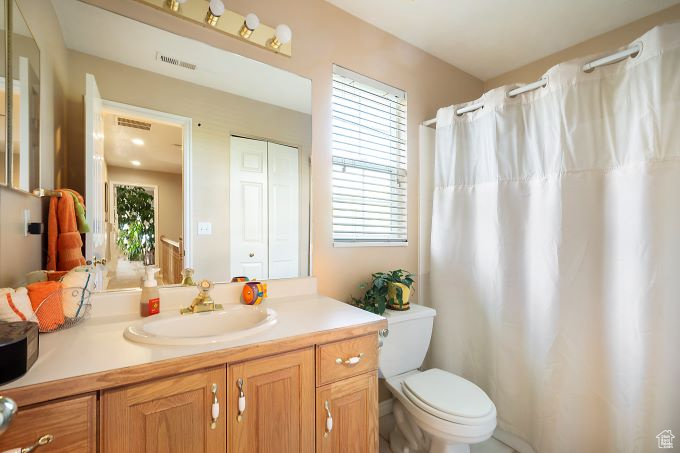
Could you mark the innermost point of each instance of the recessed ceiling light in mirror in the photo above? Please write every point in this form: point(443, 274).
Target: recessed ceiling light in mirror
point(138, 141)
point(136, 163)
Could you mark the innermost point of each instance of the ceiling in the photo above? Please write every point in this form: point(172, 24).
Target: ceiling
point(161, 151)
point(98, 32)
point(487, 38)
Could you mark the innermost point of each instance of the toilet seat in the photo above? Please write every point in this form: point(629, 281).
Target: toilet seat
point(449, 397)
point(437, 423)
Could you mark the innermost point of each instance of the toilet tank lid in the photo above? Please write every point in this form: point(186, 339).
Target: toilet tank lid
point(415, 312)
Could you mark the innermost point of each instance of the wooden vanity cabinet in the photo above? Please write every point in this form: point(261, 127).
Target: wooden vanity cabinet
point(277, 395)
point(352, 405)
point(288, 391)
point(166, 415)
point(72, 422)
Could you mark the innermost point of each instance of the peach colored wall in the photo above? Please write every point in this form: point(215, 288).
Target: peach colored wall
point(323, 35)
point(614, 39)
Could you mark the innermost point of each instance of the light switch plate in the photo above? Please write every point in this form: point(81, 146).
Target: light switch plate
point(27, 220)
point(204, 228)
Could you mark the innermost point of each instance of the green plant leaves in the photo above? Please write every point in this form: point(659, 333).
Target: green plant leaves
point(376, 296)
point(135, 215)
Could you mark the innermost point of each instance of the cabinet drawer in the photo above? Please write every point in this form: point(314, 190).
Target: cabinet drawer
point(346, 358)
point(72, 422)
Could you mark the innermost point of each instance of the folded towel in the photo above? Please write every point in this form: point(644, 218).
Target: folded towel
point(46, 302)
point(78, 283)
point(15, 305)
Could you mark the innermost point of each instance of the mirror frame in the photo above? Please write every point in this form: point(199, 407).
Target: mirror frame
point(9, 92)
point(9, 6)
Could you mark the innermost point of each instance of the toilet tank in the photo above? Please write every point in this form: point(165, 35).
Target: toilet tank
point(406, 344)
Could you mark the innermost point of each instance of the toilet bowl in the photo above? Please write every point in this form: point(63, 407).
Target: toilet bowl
point(435, 411)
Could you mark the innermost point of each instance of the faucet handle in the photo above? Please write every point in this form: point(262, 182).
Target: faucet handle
point(205, 286)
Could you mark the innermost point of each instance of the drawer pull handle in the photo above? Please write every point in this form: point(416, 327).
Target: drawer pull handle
point(351, 361)
point(241, 400)
point(215, 408)
point(329, 420)
point(44, 440)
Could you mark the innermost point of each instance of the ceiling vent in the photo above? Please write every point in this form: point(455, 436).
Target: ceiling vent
point(127, 122)
point(175, 61)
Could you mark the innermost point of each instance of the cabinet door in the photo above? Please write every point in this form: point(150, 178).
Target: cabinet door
point(277, 398)
point(166, 415)
point(72, 423)
point(347, 415)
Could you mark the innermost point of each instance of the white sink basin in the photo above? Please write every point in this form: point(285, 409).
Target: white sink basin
point(233, 322)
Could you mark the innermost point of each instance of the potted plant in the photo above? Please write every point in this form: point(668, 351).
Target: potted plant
point(135, 218)
point(387, 290)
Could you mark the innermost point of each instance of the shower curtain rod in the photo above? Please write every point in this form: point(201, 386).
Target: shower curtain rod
point(616, 57)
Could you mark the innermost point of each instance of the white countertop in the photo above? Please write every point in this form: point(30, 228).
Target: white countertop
point(97, 344)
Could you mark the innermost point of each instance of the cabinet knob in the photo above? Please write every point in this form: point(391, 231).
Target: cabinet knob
point(251, 254)
point(44, 440)
point(350, 361)
point(215, 408)
point(241, 400)
point(329, 419)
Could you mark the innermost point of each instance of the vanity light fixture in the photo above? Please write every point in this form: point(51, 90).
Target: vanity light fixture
point(250, 23)
point(136, 163)
point(215, 14)
point(282, 35)
point(215, 11)
point(174, 4)
point(138, 141)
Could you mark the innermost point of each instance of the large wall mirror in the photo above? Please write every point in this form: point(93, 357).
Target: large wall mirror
point(188, 156)
point(19, 162)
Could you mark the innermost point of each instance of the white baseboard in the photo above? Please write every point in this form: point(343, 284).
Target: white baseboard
point(386, 407)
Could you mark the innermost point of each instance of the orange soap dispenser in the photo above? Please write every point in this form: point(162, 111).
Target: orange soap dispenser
point(150, 301)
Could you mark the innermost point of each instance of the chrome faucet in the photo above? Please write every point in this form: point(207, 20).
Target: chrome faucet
point(203, 302)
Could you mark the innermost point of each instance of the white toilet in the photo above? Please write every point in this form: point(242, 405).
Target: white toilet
point(435, 411)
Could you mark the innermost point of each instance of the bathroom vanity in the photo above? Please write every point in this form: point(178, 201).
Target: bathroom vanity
point(307, 383)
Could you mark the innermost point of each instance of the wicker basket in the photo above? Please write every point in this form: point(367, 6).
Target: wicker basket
point(63, 309)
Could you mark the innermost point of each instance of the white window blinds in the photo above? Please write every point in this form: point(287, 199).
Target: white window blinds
point(369, 160)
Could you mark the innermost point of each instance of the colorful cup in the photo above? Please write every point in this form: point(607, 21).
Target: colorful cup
point(254, 292)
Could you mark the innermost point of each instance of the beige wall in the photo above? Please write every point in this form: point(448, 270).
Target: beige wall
point(606, 42)
point(220, 115)
point(323, 35)
point(20, 254)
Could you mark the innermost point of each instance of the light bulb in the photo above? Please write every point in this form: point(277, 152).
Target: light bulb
point(283, 33)
point(216, 7)
point(252, 21)
point(174, 4)
point(215, 10)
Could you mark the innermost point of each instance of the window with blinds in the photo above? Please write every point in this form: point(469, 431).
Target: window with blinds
point(369, 160)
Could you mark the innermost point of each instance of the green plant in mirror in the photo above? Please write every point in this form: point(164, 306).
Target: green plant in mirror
point(135, 215)
point(376, 297)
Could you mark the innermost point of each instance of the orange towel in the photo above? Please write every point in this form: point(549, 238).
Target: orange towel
point(64, 244)
point(46, 301)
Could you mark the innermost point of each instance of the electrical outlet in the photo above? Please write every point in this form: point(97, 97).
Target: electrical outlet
point(204, 228)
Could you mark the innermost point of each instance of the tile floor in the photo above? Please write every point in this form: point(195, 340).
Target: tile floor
point(490, 446)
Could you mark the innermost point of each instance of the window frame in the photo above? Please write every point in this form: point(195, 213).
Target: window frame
point(397, 204)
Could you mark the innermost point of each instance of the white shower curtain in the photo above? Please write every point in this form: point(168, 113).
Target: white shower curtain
point(555, 252)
